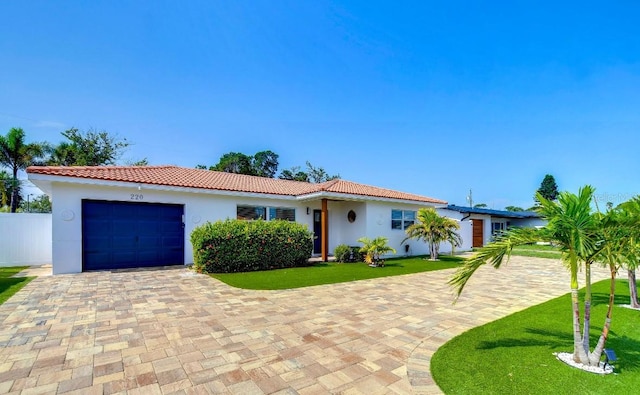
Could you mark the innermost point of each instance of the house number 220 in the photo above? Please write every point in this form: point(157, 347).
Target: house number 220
point(137, 196)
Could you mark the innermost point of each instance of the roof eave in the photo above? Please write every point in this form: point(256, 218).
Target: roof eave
point(47, 180)
point(362, 198)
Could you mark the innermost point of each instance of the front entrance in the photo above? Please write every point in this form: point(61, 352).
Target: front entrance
point(317, 231)
point(478, 233)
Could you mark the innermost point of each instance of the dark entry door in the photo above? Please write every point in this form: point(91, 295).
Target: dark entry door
point(478, 233)
point(317, 231)
point(118, 235)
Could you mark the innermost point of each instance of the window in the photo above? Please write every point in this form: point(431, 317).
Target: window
point(498, 227)
point(249, 213)
point(287, 214)
point(402, 219)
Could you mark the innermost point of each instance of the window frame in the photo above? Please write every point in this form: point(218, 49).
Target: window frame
point(265, 213)
point(402, 219)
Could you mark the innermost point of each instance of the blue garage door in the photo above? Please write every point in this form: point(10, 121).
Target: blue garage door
point(118, 235)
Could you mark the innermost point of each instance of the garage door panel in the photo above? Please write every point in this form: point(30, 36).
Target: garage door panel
point(149, 256)
point(100, 260)
point(147, 242)
point(172, 255)
point(122, 242)
point(125, 235)
point(98, 244)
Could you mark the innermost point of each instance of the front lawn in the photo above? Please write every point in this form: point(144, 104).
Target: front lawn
point(10, 285)
point(330, 273)
point(537, 251)
point(513, 355)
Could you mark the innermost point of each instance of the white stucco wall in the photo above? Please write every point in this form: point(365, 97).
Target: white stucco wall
point(341, 231)
point(379, 224)
point(198, 209)
point(373, 218)
point(466, 231)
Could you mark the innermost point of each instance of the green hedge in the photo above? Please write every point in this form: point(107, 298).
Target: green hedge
point(242, 246)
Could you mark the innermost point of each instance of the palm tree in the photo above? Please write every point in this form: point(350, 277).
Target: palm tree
point(5, 188)
point(632, 209)
point(434, 229)
point(374, 248)
point(17, 155)
point(583, 237)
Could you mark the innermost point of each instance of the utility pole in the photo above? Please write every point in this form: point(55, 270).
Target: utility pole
point(470, 198)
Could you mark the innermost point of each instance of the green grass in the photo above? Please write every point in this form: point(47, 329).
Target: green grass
point(331, 273)
point(513, 355)
point(537, 251)
point(9, 285)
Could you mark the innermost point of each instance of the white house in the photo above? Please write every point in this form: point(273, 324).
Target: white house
point(485, 223)
point(118, 217)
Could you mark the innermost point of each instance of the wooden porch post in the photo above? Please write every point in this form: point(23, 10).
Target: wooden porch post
point(325, 231)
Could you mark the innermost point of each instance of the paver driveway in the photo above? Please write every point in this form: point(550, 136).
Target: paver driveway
point(166, 331)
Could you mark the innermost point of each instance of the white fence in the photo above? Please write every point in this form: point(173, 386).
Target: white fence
point(25, 239)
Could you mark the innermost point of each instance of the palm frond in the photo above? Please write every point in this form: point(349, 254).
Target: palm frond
point(493, 253)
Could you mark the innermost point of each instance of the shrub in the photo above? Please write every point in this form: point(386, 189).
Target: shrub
point(373, 249)
point(242, 246)
point(342, 253)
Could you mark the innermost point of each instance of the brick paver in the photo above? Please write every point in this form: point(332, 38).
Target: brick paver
point(172, 331)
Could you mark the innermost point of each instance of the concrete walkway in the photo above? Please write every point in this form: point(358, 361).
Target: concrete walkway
point(172, 331)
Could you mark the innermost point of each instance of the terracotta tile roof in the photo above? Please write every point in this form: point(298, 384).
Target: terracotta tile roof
point(205, 179)
point(352, 188)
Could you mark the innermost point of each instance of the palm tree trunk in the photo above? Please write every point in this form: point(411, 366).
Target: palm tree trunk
point(14, 190)
point(579, 355)
point(432, 251)
point(633, 289)
point(587, 308)
point(594, 358)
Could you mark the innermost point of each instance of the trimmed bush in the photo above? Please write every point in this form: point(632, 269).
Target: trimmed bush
point(243, 246)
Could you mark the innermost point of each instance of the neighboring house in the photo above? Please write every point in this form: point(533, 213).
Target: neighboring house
point(485, 223)
point(116, 217)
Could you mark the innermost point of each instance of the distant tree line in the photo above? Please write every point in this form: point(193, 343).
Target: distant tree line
point(98, 148)
point(265, 164)
point(89, 148)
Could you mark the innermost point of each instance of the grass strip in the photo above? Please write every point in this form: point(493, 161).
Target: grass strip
point(10, 285)
point(332, 273)
point(513, 355)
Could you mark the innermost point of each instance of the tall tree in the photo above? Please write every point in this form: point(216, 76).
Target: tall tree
point(294, 174)
point(265, 164)
point(584, 237)
point(39, 204)
point(17, 155)
point(514, 208)
point(319, 174)
point(548, 188)
point(234, 162)
point(90, 148)
point(434, 229)
point(5, 188)
point(632, 210)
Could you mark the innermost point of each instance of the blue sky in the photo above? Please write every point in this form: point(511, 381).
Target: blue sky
point(427, 97)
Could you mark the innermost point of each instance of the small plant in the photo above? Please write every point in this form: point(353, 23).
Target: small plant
point(342, 253)
point(373, 249)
